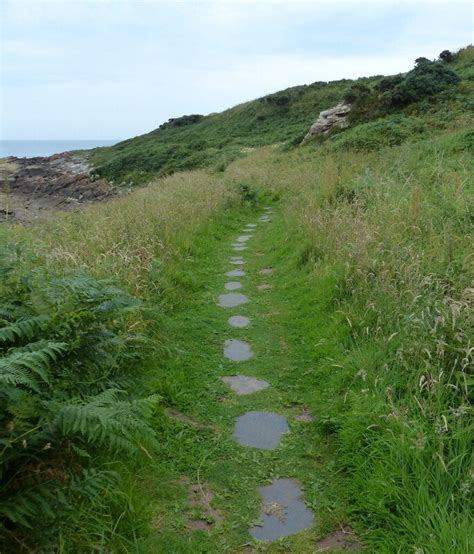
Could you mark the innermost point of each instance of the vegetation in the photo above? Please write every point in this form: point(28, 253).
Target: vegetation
point(368, 326)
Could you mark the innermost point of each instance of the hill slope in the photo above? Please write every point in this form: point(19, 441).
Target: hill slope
point(283, 117)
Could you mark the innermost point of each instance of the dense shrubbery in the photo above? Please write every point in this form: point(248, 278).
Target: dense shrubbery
point(66, 368)
point(426, 79)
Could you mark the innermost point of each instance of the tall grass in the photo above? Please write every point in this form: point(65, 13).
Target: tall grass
point(133, 239)
point(76, 414)
point(391, 232)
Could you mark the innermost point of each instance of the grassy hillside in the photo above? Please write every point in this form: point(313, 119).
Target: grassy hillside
point(108, 322)
point(284, 117)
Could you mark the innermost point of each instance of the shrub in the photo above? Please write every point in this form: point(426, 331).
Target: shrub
point(356, 92)
point(66, 360)
point(426, 79)
point(447, 56)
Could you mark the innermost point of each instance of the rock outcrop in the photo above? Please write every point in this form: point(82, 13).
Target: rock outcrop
point(334, 118)
point(31, 186)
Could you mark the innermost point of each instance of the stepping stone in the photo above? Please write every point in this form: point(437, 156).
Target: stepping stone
point(235, 273)
point(260, 429)
point(251, 225)
point(283, 513)
point(238, 321)
point(241, 384)
point(234, 258)
point(266, 271)
point(239, 248)
point(244, 238)
point(233, 285)
point(237, 262)
point(232, 299)
point(237, 350)
point(264, 218)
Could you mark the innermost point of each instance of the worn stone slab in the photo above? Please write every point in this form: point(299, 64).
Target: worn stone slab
point(251, 225)
point(239, 248)
point(237, 262)
point(232, 299)
point(234, 258)
point(236, 273)
point(283, 513)
point(243, 238)
point(260, 429)
point(266, 271)
point(264, 218)
point(233, 285)
point(238, 321)
point(242, 384)
point(237, 350)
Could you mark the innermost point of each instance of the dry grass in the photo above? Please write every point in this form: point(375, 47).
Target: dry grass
point(124, 239)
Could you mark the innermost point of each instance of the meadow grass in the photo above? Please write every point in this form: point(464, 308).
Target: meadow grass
point(388, 235)
point(368, 324)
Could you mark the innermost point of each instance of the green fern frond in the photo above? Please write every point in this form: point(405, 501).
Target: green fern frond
point(106, 420)
point(24, 329)
point(24, 365)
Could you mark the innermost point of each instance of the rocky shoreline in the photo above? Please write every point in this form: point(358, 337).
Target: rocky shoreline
point(31, 186)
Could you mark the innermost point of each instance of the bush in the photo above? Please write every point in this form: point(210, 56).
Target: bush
point(66, 360)
point(446, 56)
point(426, 79)
point(356, 92)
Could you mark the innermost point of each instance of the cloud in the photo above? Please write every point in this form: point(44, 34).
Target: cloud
point(103, 69)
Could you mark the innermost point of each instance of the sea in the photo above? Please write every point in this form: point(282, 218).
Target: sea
point(32, 148)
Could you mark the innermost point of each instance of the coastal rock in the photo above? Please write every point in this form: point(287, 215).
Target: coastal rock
point(334, 118)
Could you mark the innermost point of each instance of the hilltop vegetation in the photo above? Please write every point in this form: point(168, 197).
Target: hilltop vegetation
point(372, 306)
point(284, 117)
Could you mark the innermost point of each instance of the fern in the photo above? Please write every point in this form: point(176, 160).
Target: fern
point(24, 329)
point(64, 376)
point(24, 366)
point(106, 420)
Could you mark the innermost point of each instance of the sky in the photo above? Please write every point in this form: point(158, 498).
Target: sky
point(100, 69)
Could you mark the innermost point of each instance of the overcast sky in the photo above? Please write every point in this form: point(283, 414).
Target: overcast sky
point(114, 69)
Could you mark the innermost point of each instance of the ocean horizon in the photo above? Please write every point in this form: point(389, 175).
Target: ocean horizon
point(33, 148)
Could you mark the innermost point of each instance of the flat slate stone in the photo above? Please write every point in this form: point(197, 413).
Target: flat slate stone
point(236, 258)
point(283, 512)
point(264, 218)
point(237, 350)
point(239, 248)
point(241, 384)
point(235, 273)
point(233, 285)
point(244, 238)
point(232, 299)
point(260, 429)
point(251, 225)
point(238, 321)
point(237, 262)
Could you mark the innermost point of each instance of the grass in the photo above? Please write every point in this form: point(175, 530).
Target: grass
point(368, 325)
point(215, 140)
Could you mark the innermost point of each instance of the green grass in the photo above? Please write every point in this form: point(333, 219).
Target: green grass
point(280, 118)
point(368, 324)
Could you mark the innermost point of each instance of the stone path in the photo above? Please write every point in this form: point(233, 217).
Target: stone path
point(283, 512)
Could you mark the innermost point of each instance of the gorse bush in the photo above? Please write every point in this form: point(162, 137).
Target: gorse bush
point(67, 362)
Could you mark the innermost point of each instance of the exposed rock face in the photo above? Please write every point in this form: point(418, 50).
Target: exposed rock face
point(334, 118)
point(34, 185)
